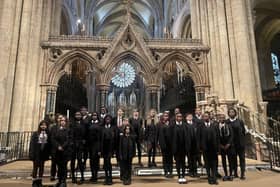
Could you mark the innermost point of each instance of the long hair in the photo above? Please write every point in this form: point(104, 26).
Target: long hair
point(104, 120)
point(149, 118)
point(97, 116)
point(39, 126)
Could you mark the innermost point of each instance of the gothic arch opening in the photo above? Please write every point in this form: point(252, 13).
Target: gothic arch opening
point(72, 90)
point(177, 88)
point(267, 31)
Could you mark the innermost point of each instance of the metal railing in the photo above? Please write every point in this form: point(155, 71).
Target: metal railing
point(14, 146)
point(266, 131)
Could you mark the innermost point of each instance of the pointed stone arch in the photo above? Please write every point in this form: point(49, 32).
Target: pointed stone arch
point(143, 67)
point(191, 68)
point(60, 67)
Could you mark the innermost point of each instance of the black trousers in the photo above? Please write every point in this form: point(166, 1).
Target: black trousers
point(53, 167)
point(151, 151)
point(94, 164)
point(85, 155)
point(193, 162)
point(211, 160)
point(139, 151)
point(167, 161)
point(107, 167)
point(227, 156)
point(180, 159)
point(38, 165)
point(77, 154)
point(239, 152)
point(126, 168)
point(61, 166)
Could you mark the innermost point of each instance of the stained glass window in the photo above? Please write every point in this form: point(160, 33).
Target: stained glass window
point(125, 76)
point(276, 69)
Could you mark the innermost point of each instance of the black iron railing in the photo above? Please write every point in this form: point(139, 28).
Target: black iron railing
point(14, 146)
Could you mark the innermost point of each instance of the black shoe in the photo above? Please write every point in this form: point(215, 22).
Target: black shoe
point(210, 181)
point(52, 178)
point(218, 175)
point(74, 180)
point(236, 175)
point(35, 183)
point(154, 164)
point(230, 178)
point(140, 164)
point(242, 177)
point(215, 182)
point(150, 165)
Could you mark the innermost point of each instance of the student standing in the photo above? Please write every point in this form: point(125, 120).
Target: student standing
point(39, 151)
point(239, 141)
point(127, 152)
point(151, 136)
point(181, 146)
point(78, 132)
point(108, 146)
point(210, 147)
point(226, 146)
point(61, 148)
point(165, 142)
point(94, 139)
point(136, 123)
point(195, 143)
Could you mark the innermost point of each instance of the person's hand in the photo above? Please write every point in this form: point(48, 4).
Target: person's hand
point(227, 146)
point(60, 148)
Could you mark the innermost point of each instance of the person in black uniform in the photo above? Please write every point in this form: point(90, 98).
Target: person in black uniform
point(52, 130)
point(210, 147)
point(195, 143)
point(108, 146)
point(94, 139)
point(78, 132)
point(226, 146)
point(151, 136)
point(127, 152)
point(239, 142)
point(181, 146)
point(197, 118)
point(136, 122)
point(103, 113)
point(61, 148)
point(117, 122)
point(39, 151)
point(165, 142)
point(85, 123)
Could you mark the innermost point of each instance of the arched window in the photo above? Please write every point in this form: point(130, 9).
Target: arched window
point(276, 69)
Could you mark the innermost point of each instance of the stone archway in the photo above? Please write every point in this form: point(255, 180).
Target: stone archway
point(63, 67)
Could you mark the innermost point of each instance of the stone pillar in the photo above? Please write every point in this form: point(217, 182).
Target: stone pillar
point(56, 17)
point(153, 91)
point(51, 99)
point(103, 94)
point(249, 90)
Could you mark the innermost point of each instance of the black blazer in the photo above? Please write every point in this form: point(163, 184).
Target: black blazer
point(210, 138)
point(37, 152)
point(195, 132)
point(226, 135)
point(165, 136)
point(64, 138)
point(127, 147)
point(181, 130)
point(239, 132)
point(94, 137)
point(109, 140)
point(136, 124)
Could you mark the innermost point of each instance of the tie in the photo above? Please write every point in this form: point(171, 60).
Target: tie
point(120, 122)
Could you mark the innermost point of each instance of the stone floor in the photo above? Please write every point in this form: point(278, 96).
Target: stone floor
point(18, 174)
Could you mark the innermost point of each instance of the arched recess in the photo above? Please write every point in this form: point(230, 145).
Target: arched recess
point(267, 32)
point(188, 72)
point(61, 73)
point(62, 65)
point(191, 68)
point(143, 67)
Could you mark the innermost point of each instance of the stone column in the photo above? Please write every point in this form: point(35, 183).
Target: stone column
point(51, 99)
point(56, 17)
point(103, 94)
point(246, 74)
point(153, 91)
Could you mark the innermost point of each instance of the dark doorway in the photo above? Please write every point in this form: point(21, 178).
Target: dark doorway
point(72, 93)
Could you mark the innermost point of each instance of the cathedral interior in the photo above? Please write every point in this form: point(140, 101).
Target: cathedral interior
point(59, 55)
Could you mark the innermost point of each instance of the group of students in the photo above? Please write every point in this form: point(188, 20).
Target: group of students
point(96, 135)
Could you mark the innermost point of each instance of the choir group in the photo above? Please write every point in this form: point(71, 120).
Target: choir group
point(93, 136)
